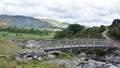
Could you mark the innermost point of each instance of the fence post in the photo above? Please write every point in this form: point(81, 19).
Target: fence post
point(94, 42)
point(71, 44)
point(64, 44)
point(79, 43)
point(54, 44)
point(45, 45)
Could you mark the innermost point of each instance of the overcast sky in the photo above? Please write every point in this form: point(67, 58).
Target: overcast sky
point(85, 12)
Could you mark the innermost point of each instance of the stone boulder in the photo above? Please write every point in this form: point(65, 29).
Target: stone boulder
point(51, 56)
point(83, 54)
point(32, 44)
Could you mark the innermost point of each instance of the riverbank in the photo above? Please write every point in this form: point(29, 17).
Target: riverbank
point(82, 63)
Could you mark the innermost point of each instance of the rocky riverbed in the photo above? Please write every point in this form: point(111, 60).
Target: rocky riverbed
point(81, 63)
point(110, 58)
point(107, 61)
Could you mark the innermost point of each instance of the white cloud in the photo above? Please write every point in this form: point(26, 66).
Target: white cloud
point(86, 12)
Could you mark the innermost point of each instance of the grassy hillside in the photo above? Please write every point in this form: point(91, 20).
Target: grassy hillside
point(79, 31)
point(30, 22)
point(114, 29)
point(56, 23)
point(94, 32)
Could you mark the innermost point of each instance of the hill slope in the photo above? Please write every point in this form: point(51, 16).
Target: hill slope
point(56, 23)
point(79, 31)
point(31, 22)
point(114, 29)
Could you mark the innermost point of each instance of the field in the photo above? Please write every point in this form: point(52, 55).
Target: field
point(23, 35)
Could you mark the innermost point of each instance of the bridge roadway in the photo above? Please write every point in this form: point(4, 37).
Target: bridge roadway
point(63, 44)
point(78, 47)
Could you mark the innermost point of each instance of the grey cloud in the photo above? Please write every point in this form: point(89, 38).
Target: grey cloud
point(93, 12)
point(58, 10)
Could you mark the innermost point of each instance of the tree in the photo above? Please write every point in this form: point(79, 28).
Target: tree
point(70, 31)
point(114, 29)
point(74, 28)
point(102, 28)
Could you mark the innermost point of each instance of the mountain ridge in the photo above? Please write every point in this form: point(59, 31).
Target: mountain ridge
point(19, 20)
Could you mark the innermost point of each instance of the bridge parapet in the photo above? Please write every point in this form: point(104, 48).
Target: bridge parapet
point(58, 44)
point(64, 42)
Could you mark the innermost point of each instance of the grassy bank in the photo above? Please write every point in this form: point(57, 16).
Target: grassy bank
point(7, 47)
point(8, 63)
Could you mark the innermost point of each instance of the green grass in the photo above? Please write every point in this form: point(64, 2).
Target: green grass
point(8, 63)
point(23, 35)
point(7, 47)
point(4, 63)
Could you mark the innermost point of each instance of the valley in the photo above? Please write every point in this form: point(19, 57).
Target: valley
point(23, 46)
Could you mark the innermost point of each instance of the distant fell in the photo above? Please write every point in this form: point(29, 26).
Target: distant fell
point(19, 20)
